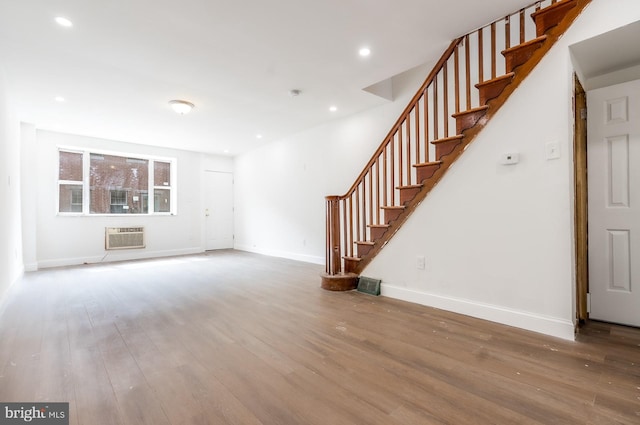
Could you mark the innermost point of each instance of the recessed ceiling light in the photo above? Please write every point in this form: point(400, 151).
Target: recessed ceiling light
point(59, 99)
point(226, 151)
point(258, 136)
point(333, 108)
point(64, 22)
point(365, 51)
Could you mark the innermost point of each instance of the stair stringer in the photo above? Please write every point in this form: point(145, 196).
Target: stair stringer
point(505, 263)
point(495, 104)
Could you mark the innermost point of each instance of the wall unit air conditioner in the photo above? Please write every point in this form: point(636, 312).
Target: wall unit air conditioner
point(124, 238)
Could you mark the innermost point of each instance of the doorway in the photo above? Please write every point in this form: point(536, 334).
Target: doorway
point(606, 157)
point(613, 164)
point(218, 210)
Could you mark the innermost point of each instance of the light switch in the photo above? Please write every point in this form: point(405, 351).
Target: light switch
point(552, 150)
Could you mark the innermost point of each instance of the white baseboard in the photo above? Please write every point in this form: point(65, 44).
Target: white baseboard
point(31, 267)
point(282, 254)
point(520, 319)
point(119, 255)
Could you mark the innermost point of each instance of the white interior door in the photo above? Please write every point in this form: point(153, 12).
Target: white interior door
point(218, 211)
point(613, 168)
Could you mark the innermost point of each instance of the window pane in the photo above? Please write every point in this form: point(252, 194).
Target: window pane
point(119, 202)
point(70, 166)
point(162, 200)
point(70, 198)
point(161, 173)
point(118, 184)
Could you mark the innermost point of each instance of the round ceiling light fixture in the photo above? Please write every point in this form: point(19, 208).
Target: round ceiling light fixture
point(181, 107)
point(364, 52)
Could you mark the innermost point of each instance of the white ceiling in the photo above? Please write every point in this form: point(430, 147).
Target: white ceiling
point(600, 65)
point(123, 60)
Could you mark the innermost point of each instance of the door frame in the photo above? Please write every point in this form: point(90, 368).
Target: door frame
point(581, 201)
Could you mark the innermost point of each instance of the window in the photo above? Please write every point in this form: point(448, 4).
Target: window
point(76, 199)
point(162, 186)
point(70, 182)
point(101, 183)
point(118, 201)
point(116, 182)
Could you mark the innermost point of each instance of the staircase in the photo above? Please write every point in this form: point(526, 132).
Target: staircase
point(465, 89)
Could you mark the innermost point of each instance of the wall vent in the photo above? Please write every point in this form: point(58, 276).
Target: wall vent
point(368, 285)
point(124, 238)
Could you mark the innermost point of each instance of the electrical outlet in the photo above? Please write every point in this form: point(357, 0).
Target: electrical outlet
point(420, 262)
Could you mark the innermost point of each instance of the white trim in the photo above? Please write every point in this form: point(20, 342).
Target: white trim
point(31, 267)
point(552, 326)
point(282, 254)
point(110, 256)
point(76, 149)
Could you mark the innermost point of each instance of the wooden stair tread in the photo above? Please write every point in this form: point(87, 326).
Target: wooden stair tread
point(408, 192)
point(392, 212)
point(428, 164)
point(490, 89)
point(447, 145)
point(351, 264)
point(427, 170)
point(468, 111)
point(557, 5)
point(411, 186)
point(495, 80)
point(365, 243)
point(445, 140)
point(524, 45)
point(552, 15)
point(519, 55)
point(376, 231)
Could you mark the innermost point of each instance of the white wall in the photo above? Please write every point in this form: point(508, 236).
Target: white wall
point(65, 240)
point(498, 240)
point(10, 239)
point(280, 188)
point(28, 155)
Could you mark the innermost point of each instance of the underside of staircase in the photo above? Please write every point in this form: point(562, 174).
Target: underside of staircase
point(448, 112)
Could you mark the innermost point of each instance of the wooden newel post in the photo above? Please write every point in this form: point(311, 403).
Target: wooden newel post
point(334, 279)
point(334, 256)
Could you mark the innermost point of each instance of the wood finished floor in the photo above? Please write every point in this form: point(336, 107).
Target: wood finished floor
point(237, 338)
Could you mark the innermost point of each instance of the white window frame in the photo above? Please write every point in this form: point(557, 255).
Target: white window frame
point(71, 182)
point(86, 196)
